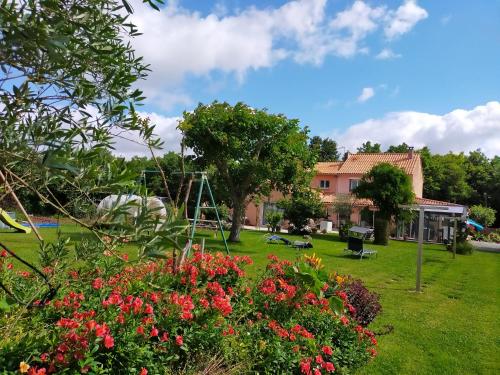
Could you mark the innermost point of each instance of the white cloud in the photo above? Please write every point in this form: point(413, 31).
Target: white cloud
point(129, 144)
point(180, 43)
point(387, 54)
point(459, 130)
point(404, 19)
point(366, 93)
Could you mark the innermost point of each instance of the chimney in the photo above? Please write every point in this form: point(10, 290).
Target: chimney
point(410, 152)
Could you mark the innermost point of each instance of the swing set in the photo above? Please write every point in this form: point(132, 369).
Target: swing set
point(202, 177)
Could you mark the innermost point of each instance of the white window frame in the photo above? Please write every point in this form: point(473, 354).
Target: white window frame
point(324, 184)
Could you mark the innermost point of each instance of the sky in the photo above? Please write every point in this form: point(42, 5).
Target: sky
point(422, 72)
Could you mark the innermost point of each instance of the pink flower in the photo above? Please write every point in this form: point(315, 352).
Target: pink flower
point(109, 342)
point(179, 340)
point(148, 309)
point(144, 371)
point(10, 266)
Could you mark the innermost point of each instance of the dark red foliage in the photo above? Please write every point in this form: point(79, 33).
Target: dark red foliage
point(366, 303)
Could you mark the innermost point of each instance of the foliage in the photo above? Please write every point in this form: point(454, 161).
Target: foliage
point(343, 206)
point(368, 147)
point(325, 148)
point(464, 248)
point(273, 219)
point(301, 207)
point(344, 230)
point(365, 303)
point(254, 151)
point(402, 148)
point(388, 187)
point(123, 316)
point(483, 215)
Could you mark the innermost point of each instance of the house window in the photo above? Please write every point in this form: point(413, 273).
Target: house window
point(353, 184)
point(324, 184)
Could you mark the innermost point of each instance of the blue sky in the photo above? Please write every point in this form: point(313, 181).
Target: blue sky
point(438, 85)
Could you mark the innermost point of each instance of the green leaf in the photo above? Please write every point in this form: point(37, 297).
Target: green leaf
point(336, 304)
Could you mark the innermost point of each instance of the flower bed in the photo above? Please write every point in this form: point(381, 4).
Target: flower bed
point(149, 318)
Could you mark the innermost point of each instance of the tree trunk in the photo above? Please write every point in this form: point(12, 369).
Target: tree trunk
point(238, 212)
point(381, 231)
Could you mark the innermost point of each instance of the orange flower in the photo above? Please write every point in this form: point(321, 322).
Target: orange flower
point(24, 367)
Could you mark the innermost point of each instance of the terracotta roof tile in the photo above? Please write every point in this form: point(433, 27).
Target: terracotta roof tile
point(328, 167)
point(433, 202)
point(363, 163)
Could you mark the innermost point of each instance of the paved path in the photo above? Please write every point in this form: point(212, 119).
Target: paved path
point(486, 246)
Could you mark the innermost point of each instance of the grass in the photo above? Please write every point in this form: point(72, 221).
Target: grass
point(450, 328)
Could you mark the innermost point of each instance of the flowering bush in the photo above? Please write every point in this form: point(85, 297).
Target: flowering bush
point(365, 303)
point(150, 317)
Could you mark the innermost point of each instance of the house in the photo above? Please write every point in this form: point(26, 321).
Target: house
point(338, 179)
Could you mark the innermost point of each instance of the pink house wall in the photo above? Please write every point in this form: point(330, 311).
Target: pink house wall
point(315, 183)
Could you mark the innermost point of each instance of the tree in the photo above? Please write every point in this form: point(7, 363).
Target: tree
point(402, 148)
point(253, 151)
point(301, 207)
point(343, 206)
point(483, 215)
point(325, 148)
point(388, 187)
point(367, 148)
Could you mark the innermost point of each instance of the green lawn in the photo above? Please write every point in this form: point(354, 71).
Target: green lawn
point(450, 328)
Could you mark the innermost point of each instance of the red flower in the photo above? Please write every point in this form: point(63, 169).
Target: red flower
point(44, 357)
point(140, 330)
point(148, 309)
point(10, 266)
point(328, 366)
point(154, 332)
point(319, 359)
point(317, 371)
point(109, 342)
point(144, 371)
point(125, 257)
point(4, 254)
point(101, 330)
point(374, 341)
point(164, 337)
point(305, 366)
point(179, 340)
point(98, 283)
point(344, 320)
point(327, 350)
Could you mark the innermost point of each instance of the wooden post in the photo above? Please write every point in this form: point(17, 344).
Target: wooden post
point(14, 196)
point(454, 236)
point(420, 246)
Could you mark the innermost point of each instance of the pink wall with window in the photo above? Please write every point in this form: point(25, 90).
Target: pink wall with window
point(332, 181)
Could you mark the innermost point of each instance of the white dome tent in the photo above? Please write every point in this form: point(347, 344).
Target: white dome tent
point(134, 203)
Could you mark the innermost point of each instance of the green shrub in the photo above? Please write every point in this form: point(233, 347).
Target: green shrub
point(483, 215)
point(464, 248)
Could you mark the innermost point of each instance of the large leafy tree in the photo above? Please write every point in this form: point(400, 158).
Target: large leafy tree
point(253, 151)
point(68, 77)
point(368, 147)
point(403, 147)
point(388, 187)
point(325, 148)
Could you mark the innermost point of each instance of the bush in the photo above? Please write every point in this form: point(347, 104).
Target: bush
point(344, 231)
point(366, 303)
point(301, 207)
point(464, 248)
point(127, 317)
point(483, 215)
point(273, 219)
